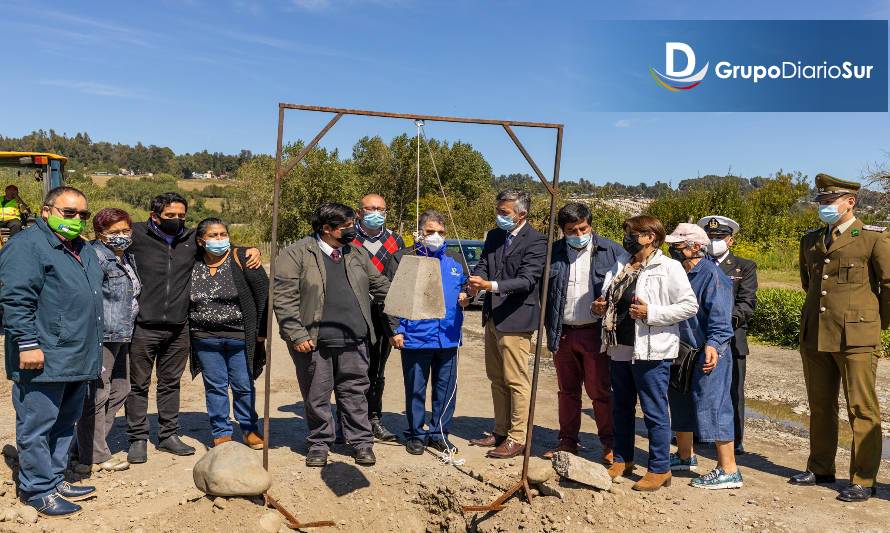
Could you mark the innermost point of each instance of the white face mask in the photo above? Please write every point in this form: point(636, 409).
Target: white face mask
point(717, 247)
point(434, 242)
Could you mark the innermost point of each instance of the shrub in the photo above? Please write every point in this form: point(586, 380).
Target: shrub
point(777, 319)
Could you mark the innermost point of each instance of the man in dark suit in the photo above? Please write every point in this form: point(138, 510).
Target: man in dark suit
point(743, 274)
point(510, 271)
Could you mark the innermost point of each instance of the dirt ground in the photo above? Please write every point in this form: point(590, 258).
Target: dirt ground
point(420, 493)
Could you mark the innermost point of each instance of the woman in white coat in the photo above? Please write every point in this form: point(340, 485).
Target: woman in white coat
point(642, 305)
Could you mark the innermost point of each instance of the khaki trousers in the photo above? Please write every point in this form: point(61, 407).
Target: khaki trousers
point(824, 372)
point(506, 364)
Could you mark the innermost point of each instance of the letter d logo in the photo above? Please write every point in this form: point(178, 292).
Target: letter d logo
point(675, 80)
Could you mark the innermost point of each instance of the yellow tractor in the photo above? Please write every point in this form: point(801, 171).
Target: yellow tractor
point(43, 167)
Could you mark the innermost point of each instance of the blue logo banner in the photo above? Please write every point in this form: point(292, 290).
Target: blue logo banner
point(736, 65)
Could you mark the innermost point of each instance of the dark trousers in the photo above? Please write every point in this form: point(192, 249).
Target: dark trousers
point(647, 380)
point(45, 414)
point(224, 365)
point(167, 348)
point(578, 362)
point(824, 373)
point(343, 371)
point(737, 394)
point(417, 366)
point(14, 226)
point(378, 355)
point(105, 396)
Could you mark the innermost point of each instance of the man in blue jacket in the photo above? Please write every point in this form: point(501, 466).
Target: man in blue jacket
point(432, 345)
point(52, 316)
point(578, 266)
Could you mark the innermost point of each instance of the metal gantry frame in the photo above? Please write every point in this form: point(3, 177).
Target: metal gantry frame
point(282, 169)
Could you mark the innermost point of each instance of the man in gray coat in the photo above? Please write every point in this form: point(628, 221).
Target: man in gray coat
point(322, 291)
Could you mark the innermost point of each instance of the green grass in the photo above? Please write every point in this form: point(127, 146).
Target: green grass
point(779, 279)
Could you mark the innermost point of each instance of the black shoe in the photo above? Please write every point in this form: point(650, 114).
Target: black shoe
point(857, 493)
point(441, 446)
point(740, 450)
point(53, 505)
point(415, 446)
point(808, 478)
point(317, 457)
point(74, 493)
point(138, 452)
point(175, 446)
point(381, 433)
point(365, 457)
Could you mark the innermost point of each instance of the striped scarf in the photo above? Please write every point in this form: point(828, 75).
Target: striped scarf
point(379, 246)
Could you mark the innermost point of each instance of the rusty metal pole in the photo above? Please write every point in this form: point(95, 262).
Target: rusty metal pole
point(273, 253)
point(545, 285)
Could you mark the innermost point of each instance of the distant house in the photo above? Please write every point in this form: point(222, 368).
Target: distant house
point(202, 175)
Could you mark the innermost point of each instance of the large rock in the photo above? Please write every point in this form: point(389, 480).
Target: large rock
point(231, 469)
point(416, 290)
point(539, 470)
point(581, 470)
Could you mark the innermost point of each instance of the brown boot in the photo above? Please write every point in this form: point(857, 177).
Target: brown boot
point(652, 482)
point(564, 446)
point(620, 470)
point(489, 441)
point(254, 440)
point(220, 440)
point(507, 450)
point(608, 457)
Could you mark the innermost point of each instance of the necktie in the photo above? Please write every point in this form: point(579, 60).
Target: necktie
point(509, 240)
point(829, 237)
point(335, 255)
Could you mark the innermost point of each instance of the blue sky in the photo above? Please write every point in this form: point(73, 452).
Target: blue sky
point(208, 74)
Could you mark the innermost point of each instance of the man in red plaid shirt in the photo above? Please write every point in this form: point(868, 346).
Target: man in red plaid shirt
point(381, 244)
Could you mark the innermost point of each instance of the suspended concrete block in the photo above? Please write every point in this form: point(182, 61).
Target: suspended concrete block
point(416, 290)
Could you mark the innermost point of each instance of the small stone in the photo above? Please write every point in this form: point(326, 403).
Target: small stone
point(219, 503)
point(9, 515)
point(28, 514)
point(270, 522)
point(581, 470)
point(231, 469)
point(598, 498)
point(539, 470)
point(547, 490)
point(193, 495)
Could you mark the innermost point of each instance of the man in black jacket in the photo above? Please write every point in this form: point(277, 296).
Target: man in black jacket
point(164, 251)
point(510, 272)
point(743, 273)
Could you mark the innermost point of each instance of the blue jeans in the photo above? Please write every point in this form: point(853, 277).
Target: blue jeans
point(707, 409)
point(224, 365)
point(648, 380)
point(45, 414)
point(417, 365)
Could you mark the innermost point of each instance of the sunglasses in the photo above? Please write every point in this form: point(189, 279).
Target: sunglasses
point(70, 212)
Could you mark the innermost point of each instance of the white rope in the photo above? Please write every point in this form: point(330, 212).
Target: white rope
point(419, 124)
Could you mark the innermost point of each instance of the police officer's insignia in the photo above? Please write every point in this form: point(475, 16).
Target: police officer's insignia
point(453, 271)
point(713, 223)
point(879, 229)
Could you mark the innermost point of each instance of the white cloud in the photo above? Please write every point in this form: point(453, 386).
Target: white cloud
point(96, 89)
point(624, 123)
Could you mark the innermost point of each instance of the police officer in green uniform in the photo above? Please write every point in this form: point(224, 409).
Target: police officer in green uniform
point(845, 269)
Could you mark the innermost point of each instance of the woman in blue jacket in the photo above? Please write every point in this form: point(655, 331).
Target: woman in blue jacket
point(431, 346)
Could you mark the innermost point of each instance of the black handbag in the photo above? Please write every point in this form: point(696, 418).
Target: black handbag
point(682, 368)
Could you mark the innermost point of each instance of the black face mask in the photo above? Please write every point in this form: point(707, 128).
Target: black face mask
point(347, 236)
point(171, 226)
point(632, 244)
point(677, 254)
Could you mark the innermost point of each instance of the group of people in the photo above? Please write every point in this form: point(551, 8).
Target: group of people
point(86, 323)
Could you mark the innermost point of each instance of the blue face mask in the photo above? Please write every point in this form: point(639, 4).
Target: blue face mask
point(219, 247)
point(578, 241)
point(505, 223)
point(829, 214)
point(373, 220)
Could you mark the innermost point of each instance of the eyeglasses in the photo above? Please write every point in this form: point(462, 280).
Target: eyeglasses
point(70, 212)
